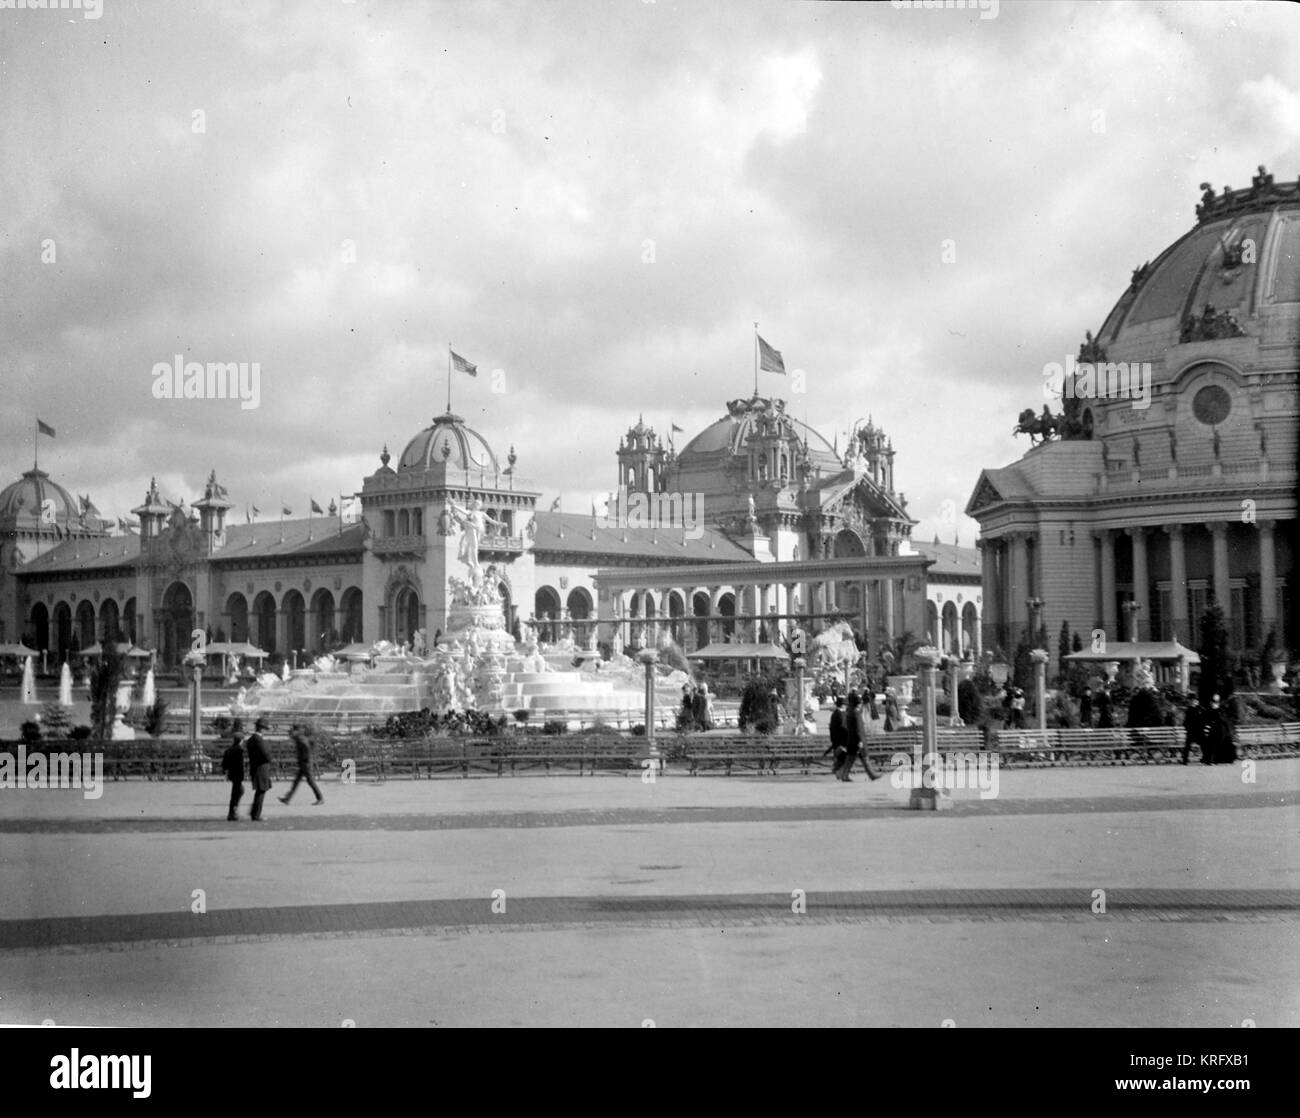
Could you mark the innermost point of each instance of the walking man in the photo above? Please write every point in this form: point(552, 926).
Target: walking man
point(856, 738)
point(1193, 729)
point(232, 764)
point(302, 744)
point(259, 766)
point(839, 735)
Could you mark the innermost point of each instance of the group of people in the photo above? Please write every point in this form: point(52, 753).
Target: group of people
point(848, 732)
point(1013, 706)
point(697, 707)
point(1210, 731)
point(1099, 704)
point(259, 767)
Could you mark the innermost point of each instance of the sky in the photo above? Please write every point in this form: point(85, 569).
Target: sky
point(593, 202)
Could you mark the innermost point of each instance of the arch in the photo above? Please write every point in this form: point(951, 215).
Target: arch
point(951, 638)
point(86, 626)
point(129, 621)
point(294, 609)
point(700, 609)
point(676, 611)
point(38, 635)
point(932, 623)
point(579, 603)
point(390, 524)
point(406, 614)
point(403, 522)
point(417, 522)
point(648, 605)
point(62, 629)
point(110, 623)
point(237, 614)
point(176, 622)
point(264, 616)
point(848, 545)
point(350, 606)
point(546, 608)
point(970, 627)
point(324, 632)
point(727, 610)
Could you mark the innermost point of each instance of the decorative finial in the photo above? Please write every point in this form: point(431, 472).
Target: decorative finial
point(512, 458)
point(385, 456)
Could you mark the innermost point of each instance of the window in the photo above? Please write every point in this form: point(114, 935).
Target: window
point(417, 522)
point(390, 523)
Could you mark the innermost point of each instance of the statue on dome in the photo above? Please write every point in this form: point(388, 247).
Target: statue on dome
point(475, 523)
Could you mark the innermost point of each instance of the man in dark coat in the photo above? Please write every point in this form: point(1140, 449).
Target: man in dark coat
point(259, 765)
point(839, 735)
point(232, 764)
point(1105, 712)
point(855, 742)
point(1085, 709)
point(1219, 745)
point(302, 745)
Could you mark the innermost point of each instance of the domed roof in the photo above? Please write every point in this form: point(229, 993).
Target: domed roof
point(1228, 277)
point(752, 417)
point(448, 441)
point(25, 498)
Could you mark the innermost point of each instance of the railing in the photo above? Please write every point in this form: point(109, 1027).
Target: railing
point(404, 545)
point(516, 752)
point(499, 545)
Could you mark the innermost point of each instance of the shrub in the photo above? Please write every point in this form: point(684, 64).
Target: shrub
point(638, 731)
point(220, 725)
point(555, 726)
point(155, 718)
point(55, 720)
point(522, 715)
point(31, 732)
point(969, 704)
point(80, 733)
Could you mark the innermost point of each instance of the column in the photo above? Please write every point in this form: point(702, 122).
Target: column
point(1180, 632)
point(988, 579)
point(1267, 581)
point(1106, 561)
point(1141, 582)
point(1017, 590)
point(886, 605)
point(1219, 532)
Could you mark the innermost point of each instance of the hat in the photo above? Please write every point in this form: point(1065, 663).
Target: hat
point(261, 723)
point(237, 726)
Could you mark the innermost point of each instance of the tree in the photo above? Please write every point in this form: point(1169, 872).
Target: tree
point(104, 679)
point(1216, 663)
point(1076, 643)
point(1023, 668)
point(970, 707)
point(1063, 649)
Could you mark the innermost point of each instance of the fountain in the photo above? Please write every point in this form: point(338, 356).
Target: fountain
point(29, 683)
point(148, 695)
point(65, 686)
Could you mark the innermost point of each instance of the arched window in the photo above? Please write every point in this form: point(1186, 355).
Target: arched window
point(403, 523)
point(390, 523)
point(417, 522)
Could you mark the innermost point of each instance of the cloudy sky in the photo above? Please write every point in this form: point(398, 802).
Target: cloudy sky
point(598, 200)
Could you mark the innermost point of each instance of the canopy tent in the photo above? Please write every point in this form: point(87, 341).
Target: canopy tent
point(123, 649)
point(739, 652)
point(17, 650)
point(1156, 651)
point(235, 648)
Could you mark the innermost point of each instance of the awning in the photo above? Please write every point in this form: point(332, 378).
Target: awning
point(17, 650)
point(123, 649)
point(235, 648)
point(1138, 650)
point(739, 652)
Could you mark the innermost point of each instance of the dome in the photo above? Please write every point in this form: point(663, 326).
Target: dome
point(448, 441)
point(1236, 274)
point(25, 498)
point(752, 416)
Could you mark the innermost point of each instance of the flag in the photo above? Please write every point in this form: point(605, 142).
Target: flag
point(461, 365)
point(285, 510)
point(769, 359)
point(253, 513)
point(679, 430)
point(555, 504)
point(317, 509)
point(44, 428)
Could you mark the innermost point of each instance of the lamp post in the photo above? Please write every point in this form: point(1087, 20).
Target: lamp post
point(799, 664)
point(1035, 617)
point(926, 794)
point(1131, 608)
point(195, 661)
point(649, 657)
point(1039, 657)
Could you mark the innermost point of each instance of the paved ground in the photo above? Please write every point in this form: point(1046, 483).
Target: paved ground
point(688, 901)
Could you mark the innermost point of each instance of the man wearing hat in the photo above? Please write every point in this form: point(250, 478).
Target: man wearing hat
point(259, 765)
point(302, 744)
point(232, 764)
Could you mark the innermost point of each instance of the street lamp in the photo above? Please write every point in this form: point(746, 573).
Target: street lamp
point(1035, 613)
point(1131, 608)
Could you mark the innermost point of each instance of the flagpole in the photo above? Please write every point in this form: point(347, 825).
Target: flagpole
point(36, 447)
point(449, 378)
point(755, 358)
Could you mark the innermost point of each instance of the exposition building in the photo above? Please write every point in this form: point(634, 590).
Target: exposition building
point(756, 524)
point(1147, 500)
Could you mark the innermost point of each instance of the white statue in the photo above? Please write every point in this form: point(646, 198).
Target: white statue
point(474, 521)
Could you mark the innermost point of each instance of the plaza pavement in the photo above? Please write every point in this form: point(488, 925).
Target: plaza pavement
point(672, 901)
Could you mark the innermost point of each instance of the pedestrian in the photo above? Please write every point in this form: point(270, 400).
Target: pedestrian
point(856, 740)
point(1085, 709)
point(259, 767)
point(1194, 729)
point(1018, 708)
point(302, 745)
point(702, 707)
point(1219, 746)
point(1105, 714)
point(232, 764)
point(777, 712)
point(687, 716)
point(891, 710)
point(839, 735)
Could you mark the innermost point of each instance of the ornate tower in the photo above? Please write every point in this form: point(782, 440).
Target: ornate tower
point(642, 460)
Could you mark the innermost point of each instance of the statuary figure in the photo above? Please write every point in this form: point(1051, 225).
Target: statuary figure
point(475, 522)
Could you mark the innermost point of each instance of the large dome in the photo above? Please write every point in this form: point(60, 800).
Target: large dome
point(24, 499)
point(1237, 274)
point(752, 416)
point(448, 441)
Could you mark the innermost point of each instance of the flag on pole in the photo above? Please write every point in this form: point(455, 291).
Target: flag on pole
point(285, 510)
point(461, 365)
point(44, 428)
point(555, 505)
point(678, 430)
point(316, 508)
point(769, 359)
